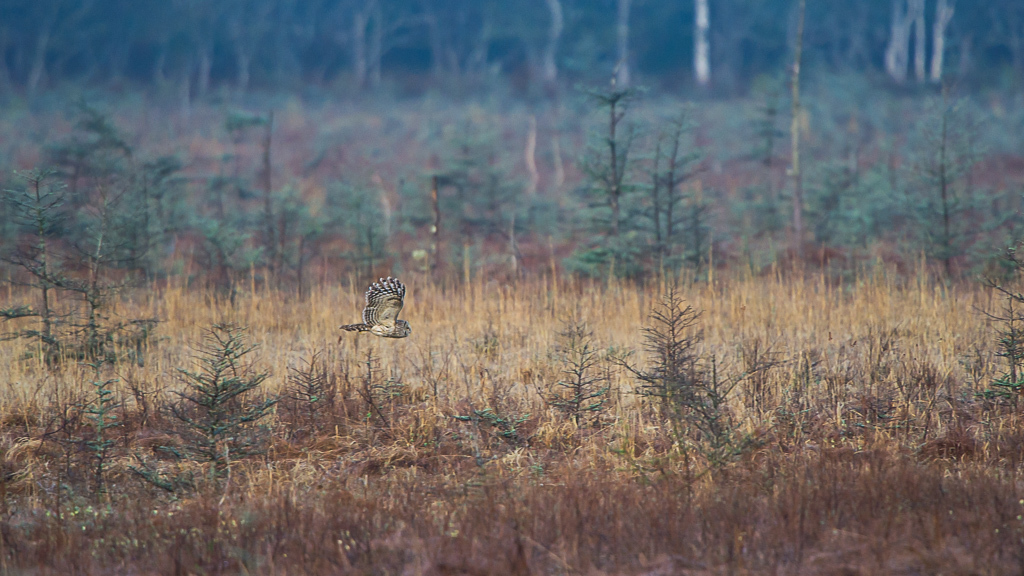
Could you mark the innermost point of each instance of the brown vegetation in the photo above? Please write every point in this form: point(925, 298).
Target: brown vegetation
point(860, 443)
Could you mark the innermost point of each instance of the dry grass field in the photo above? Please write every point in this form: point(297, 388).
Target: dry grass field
point(853, 437)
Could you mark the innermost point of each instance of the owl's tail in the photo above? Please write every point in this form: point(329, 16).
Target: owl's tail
point(356, 327)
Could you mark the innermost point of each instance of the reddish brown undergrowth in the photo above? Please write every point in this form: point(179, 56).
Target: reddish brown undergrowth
point(857, 440)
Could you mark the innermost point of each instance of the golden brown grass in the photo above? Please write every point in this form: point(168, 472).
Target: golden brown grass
point(869, 451)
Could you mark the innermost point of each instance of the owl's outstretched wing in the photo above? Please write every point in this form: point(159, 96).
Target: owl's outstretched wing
point(384, 300)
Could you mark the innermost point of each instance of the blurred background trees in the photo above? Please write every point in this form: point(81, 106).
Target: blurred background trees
point(719, 45)
point(606, 138)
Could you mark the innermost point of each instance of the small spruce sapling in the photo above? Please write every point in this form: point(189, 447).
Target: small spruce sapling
point(38, 207)
point(215, 408)
point(691, 393)
point(1010, 331)
point(585, 387)
point(311, 391)
point(100, 412)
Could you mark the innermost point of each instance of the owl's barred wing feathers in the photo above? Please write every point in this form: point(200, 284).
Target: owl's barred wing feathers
point(384, 300)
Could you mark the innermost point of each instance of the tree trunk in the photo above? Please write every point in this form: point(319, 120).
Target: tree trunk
point(159, 77)
point(622, 43)
point(243, 61)
point(476, 63)
point(203, 79)
point(966, 61)
point(185, 93)
point(944, 193)
point(656, 182)
point(701, 47)
point(35, 75)
point(556, 153)
point(920, 56)
point(44, 276)
point(359, 20)
point(530, 156)
point(897, 53)
point(268, 200)
point(672, 181)
point(376, 45)
point(615, 184)
point(794, 133)
point(437, 55)
point(549, 66)
point(435, 229)
point(5, 72)
point(300, 268)
point(943, 14)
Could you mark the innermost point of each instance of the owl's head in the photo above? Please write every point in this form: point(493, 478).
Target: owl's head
point(403, 328)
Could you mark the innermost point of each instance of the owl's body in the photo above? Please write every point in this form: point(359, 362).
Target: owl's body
point(384, 300)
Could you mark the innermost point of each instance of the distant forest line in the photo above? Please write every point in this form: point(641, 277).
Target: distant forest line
point(245, 154)
point(534, 47)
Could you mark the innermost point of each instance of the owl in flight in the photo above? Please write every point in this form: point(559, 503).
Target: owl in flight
point(384, 300)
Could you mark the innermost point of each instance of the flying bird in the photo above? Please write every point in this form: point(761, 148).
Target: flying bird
point(384, 300)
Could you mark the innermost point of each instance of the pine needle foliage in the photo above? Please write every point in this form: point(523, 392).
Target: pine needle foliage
point(584, 389)
point(214, 407)
point(691, 394)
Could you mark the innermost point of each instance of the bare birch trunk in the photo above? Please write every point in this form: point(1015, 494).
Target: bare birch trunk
point(530, 156)
point(359, 48)
point(38, 70)
point(622, 37)
point(897, 53)
point(920, 37)
point(376, 45)
point(943, 14)
point(548, 66)
point(794, 133)
point(701, 48)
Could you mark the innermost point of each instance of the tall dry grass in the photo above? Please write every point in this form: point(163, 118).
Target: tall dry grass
point(867, 449)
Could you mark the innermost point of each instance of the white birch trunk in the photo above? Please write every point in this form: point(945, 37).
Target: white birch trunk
point(530, 156)
point(943, 14)
point(622, 36)
point(701, 47)
point(548, 66)
point(916, 7)
point(897, 52)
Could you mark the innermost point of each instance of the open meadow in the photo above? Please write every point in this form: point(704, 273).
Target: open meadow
point(827, 429)
point(549, 287)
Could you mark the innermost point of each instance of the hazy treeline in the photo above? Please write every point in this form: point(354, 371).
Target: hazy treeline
point(534, 44)
point(604, 180)
point(663, 187)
